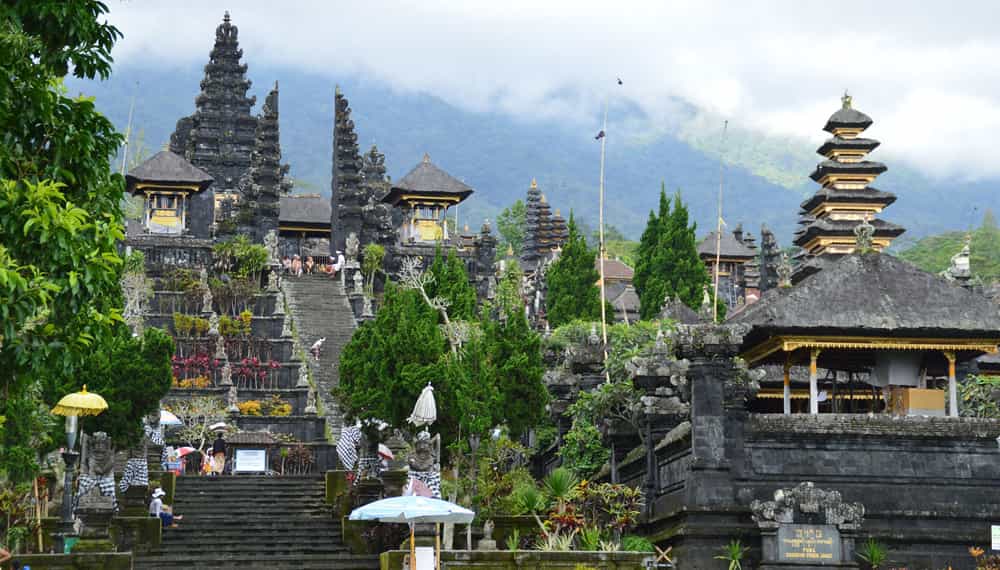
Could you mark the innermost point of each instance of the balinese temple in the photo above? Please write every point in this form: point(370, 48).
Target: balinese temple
point(219, 137)
point(735, 258)
point(885, 334)
point(544, 233)
point(170, 187)
point(304, 226)
point(846, 197)
point(424, 197)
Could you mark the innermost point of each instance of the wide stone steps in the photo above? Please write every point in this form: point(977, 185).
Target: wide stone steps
point(320, 309)
point(253, 522)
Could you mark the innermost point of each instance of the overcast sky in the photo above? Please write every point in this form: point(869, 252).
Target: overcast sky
point(927, 72)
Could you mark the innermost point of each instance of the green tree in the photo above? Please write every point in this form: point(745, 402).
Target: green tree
point(451, 283)
point(667, 260)
point(573, 292)
point(512, 227)
point(133, 375)
point(60, 214)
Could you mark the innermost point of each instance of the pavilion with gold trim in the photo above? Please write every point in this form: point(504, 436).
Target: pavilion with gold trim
point(900, 330)
point(424, 196)
point(174, 198)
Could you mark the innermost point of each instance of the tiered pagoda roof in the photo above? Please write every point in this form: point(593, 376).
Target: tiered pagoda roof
point(539, 238)
point(168, 169)
point(845, 198)
point(730, 248)
point(219, 136)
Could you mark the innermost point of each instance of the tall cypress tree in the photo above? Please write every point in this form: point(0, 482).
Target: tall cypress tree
point(668, 262)
point(573, 292)
point(451, 282)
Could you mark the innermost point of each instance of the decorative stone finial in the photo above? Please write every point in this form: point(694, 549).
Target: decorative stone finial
point(784, 271)
point(846, 100)
point(225, 17)
point(337, 91)
point(427, 158)
point(863, 236)
point(534, 184)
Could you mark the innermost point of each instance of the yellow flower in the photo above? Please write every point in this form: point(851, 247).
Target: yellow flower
point(975, 551)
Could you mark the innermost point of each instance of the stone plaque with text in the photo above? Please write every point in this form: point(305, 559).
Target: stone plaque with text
point(808, 544)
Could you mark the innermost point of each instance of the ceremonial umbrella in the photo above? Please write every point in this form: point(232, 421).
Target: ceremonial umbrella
point(412, 510)
point(82, 403)
point(425, 410)
point(169, 419)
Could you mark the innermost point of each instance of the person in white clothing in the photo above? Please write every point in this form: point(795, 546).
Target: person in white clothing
point(339, 264)
point(161, 511)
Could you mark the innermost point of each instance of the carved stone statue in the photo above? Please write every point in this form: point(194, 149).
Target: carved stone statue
point(487, 542)
point(784, 271)
point(206, 299)
point(226, 374)
point(359, 282)
point(272, 281)
point(213, 328)
point(864, 236)
point(271, 243)
point(97, 470)
point(805, 499)
point(425, 463)
point(286, 327)
point(303, 381)
point(310, 409)
point(352, 246)
point(232, 400)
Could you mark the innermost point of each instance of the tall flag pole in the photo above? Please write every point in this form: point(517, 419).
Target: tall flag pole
point(600, 238)
point(718, 228)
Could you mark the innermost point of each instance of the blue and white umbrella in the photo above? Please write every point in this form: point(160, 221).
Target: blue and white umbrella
point(169, 419)
point(411, 509)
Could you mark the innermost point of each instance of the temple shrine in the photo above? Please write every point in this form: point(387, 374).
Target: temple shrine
point(735, 258)
point(424, 197)
point(170, 187)
point(845, 198)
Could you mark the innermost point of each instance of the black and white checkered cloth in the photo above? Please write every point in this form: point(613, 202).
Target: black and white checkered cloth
point(430, 478)
point(105, 484)
point(136, 474)
point(347, 447)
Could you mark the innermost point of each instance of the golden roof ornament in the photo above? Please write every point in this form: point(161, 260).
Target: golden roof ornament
point(846, 100)
point(534, 184)
point(427, 158)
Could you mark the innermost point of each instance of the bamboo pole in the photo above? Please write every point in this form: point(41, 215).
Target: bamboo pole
point(413, 550)
point(601, 251)
point(718, 230)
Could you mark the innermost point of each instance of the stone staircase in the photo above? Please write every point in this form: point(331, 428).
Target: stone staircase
point(320, 308)
point(253, 522)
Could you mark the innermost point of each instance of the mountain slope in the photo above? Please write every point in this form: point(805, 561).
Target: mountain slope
point(498, 154)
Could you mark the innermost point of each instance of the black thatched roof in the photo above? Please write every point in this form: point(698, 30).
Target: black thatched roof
point(730, 247)
point(828, 227)
point(834, 167)
point(858, 144)
point(847, 117)
point(872, 294)
point(166, 167)
point(866, 195)
point(305, 210)
point(429, 180)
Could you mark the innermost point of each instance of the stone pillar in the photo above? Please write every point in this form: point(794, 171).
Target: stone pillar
point(952, 384)
point(813, 392)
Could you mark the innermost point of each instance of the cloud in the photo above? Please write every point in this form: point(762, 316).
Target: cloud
point(926, 74)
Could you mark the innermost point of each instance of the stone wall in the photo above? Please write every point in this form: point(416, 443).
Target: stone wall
point(930, 486)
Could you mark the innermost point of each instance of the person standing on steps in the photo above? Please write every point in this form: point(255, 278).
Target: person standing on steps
point(218, 455)
point(338, 265)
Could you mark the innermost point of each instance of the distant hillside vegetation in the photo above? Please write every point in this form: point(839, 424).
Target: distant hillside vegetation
point(933, 253)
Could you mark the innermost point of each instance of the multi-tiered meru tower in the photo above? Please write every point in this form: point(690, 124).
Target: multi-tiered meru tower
point(846, 199)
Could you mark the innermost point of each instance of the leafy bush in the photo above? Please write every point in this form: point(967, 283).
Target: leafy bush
point(872, 552)
point(582, 451)
point(527, 499)
point(976, 395)
point(241, 258)
point(635, 543)
point(733, 553)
